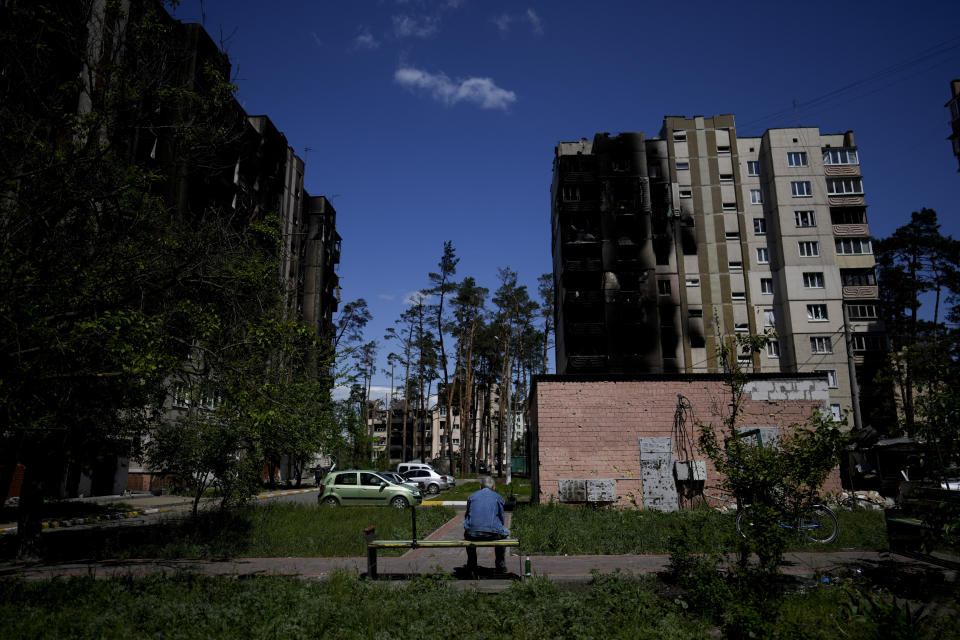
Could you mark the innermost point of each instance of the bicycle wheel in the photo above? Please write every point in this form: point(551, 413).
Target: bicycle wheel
point(745, 524)
point(818, 524)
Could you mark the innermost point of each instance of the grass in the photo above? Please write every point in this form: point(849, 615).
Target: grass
point(613, 606)
point(266, 531)
point(560, 529)
point(519, 487)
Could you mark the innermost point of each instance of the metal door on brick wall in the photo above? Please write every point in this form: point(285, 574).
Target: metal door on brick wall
point(656, 473)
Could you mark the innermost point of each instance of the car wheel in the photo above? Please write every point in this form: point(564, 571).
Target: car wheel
point(433, 489)
point(330, 501)
point(399, 502)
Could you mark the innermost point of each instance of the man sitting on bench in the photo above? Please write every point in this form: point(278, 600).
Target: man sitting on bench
point(484, 521)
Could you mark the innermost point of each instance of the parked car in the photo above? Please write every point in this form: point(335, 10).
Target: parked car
point(362, 487)
point(396, 478)
point(403, 467)
point(428, 480)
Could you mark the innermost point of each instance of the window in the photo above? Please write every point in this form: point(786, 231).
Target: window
point(370, 480)
point(831, 377)
point(741, 327)
point(686, 193)
point(682, 166)
point(723, 149)
point(813, 280)
point(867, 342)
point(763, 255)
point(862, 311)
point(756, 196)
point(456, 441)
point(760, 226)
point(808, 248)
point(797, 159)
point(726, 177)
point(766, 285)
point(735, 265)
point(753, 168)
point(773, 349)
point(835, 414)
point(854, 246)
point(858, 278)
point(680, 136)
point(443, 411)
point(663, 287)
point(693, 282)
point(844, 186)
point(817, 312)
point(180, 396)
point(805, 218)
point(570, 194)
point(744, 359)
point(820, 345)
point(733, 235)
point(769, 318)
point(738, 295)
point(840, 156)
point(695, 313)
point(848, 215)
point(729, 206)
point(346, 478)
point(801, 189)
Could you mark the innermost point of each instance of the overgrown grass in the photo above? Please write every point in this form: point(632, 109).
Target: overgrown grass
point(560, 529)
point(65, 509)
point(267, 530)
point(343, 607)
point(614, 606)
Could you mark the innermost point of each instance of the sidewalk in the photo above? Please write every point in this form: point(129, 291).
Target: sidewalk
point(560, 569)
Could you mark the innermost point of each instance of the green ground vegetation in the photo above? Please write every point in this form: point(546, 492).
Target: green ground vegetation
point(520, 489)
point(562, 529)
point(613, 606)
point(256, 531)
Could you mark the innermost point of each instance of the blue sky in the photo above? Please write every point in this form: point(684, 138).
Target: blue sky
point(433, 120)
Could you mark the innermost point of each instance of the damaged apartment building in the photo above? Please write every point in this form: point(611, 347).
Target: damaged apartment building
point(663, 247)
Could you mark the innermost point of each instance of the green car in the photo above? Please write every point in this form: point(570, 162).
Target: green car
point(356, 487)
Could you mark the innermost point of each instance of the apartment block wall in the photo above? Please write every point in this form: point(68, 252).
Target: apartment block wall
point(749, 234)
point(591, 428)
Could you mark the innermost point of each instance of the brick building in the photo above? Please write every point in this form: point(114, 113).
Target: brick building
point(620, 439)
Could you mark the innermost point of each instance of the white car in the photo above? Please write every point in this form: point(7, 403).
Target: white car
point(427, 479)
point(396, 478)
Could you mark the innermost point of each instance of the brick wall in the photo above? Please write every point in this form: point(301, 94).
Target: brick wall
point(590, 427)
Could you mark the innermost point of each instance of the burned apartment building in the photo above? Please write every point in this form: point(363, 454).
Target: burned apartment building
point(664, 246)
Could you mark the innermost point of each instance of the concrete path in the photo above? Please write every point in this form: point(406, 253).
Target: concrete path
point(561, 569)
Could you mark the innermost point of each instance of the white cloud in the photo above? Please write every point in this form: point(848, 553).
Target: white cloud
point(415, 296)
point(534, 21)
point(503, 23)
point(505, 20)
point(480, 91)
point(365, 40)
point(407, 27)
point(386, 296)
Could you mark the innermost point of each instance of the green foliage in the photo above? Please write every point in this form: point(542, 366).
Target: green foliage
point(778, 480)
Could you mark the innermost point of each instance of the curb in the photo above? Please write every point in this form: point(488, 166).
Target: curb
point(122, 515)
point(444, 503)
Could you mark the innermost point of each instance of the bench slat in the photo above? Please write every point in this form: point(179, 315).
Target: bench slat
point(387, 544)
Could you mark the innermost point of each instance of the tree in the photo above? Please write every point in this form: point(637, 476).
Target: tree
point(109, 277)
point(778, 480)
point(546, 291)
point(468, 310)
point(915, 261)
point(442, 285)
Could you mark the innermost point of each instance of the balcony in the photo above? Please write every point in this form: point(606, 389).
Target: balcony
point(586, 328)
point(581, 265)
point(861, 292)
point(586, 363)
point(851, 230)
point(578, 176)
point(578, 205)
point(846, 201)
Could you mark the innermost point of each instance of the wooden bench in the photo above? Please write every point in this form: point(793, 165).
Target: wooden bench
point(915, 526)
point(373, 545)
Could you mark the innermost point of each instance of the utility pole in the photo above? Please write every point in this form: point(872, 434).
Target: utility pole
point(852, 369)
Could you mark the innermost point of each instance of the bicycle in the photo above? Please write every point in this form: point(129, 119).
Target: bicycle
point(817, 523)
